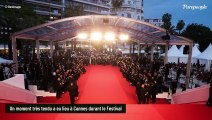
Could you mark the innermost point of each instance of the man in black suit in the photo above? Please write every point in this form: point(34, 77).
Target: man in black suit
point(174, 86)
point(72, 92)
point(144, 92)
point(159, 83)
point(179, 71)
point(153, 89)
point(166, 72)
point(138, 92)
point(147, 91)
point(1, 73)
point(209, 103)
point(57, 85)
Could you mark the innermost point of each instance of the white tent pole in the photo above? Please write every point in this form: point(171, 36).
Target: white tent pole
point(38, 49)
point(15, 60)
point(152, 52)
point(188, 69)
point(51, 49)
point(166, 55)
point(144, 48)
point(139, 49)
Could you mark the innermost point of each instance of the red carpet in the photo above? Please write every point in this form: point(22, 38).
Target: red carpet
point(101, 84)
point(105, 84)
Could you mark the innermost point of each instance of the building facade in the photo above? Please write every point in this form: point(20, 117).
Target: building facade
point(53, 9)
point(156, 22)
point(130, 8)
point(50, 9)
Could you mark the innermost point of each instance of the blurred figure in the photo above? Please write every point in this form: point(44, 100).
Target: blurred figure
point(138, 92)
point(143, 94)
point(174, 86)
point(1, 73)
point(179, 71)
point(73, 92)
point(209, 103)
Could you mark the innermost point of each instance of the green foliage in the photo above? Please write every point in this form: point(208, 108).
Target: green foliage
point(117, 3)
point(180, 26)
point(19, 19)
point(199, 33)
point(73, 10)
point(196, 32)
point(167, 21)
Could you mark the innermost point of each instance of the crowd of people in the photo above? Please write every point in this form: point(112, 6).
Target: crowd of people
point(147, 80)
point(6, 71)
point(61, 72)
point(64, 69)
point(67, 67)
point(66, 74)
point(196, 72)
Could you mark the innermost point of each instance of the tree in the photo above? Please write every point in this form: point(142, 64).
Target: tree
point(3, 21)
point(199, 34)
point(19, 19)
point(167, 21)
point(180, 26)
point(116, 4)
point(73, 10)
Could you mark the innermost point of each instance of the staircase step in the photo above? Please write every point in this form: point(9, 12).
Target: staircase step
point(37, 92)
point(164, 95)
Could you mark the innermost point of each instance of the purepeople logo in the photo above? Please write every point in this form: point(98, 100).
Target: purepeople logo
point(194, 7)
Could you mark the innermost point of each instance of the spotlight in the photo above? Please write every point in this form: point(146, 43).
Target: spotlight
point(110, 36)
point(82, 36)
point(123, 37)
point(96, 36)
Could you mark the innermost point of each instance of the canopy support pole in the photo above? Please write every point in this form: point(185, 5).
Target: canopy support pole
point(152, 52)
point(166, 55)
point(65, 46)
point(188, 69)
point(139, 49)
point(51, 49)
point(38, 49)
point(144, 48)
point(130, 48)
point(15, 60)
point(133, 47)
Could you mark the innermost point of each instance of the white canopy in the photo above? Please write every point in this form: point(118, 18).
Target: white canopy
point(195, 51)
point(174, 54)
point(2, 60)
point(125, 52)
point(207, 54)
point(206, 57)
point(182, 48)
point(128, 51)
